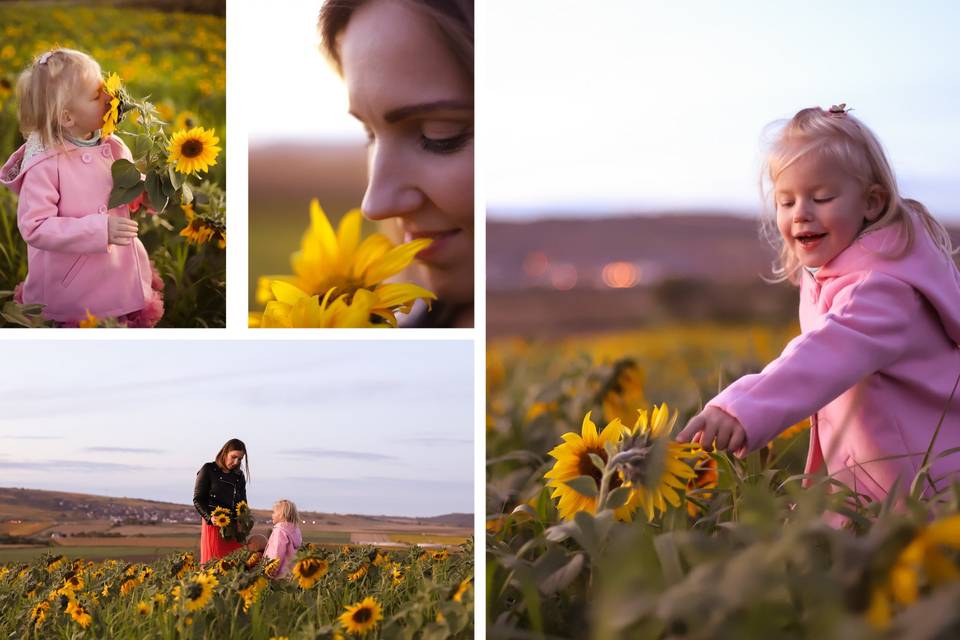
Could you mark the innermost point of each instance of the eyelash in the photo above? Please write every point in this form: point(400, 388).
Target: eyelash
point(445, 146)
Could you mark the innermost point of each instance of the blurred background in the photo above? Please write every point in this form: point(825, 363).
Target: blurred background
point(623, 147)
point(172, 51)
point(302, 142)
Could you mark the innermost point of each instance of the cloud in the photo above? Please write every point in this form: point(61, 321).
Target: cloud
point(82, 466)
point(32, 437)
point(334, 453)
point(436, 440)
point(122, 450)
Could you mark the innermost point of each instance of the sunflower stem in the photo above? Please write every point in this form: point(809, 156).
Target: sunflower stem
point(605, 486)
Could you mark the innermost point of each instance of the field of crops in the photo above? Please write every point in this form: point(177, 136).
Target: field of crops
point(175, 61)
point(610, 532)
point(333, 593)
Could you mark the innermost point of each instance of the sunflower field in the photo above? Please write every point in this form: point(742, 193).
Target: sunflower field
point(601, 526)
point(172, 66)
point(332, 593)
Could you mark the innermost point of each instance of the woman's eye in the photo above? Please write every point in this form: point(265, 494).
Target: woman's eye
point(444, 137)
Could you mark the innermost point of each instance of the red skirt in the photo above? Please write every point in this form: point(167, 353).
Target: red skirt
point(212, 546)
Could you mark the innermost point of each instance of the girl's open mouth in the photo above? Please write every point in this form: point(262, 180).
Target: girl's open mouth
point(809, 240)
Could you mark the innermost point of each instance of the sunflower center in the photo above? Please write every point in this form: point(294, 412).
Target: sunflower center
point(309, 568)
point(194, 591)
point(587, 468)
point(191, 148)
point(362, 615)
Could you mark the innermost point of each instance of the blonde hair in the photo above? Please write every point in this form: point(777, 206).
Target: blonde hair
point(45, 88)
point(288, 511)
point(838, 135)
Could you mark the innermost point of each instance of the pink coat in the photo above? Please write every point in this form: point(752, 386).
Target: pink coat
point(62, 215)
point(284, 541)
point(876, 361)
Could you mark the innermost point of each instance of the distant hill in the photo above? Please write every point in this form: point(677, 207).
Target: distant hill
point(59, 506)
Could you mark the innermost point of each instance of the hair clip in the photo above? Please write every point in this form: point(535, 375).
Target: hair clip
point(43, 58)
point(839, 109)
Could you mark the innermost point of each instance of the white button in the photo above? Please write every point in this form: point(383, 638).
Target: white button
point(103, 208)
point(86, 157)
point(106, 152)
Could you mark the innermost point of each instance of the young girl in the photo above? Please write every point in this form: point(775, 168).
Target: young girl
point(285, 538)
point(877, 363)
point(83, 257)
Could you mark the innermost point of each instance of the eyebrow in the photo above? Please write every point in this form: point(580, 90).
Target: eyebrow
point(402, 113)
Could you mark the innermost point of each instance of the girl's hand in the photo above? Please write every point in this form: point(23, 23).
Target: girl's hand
point(121, 230)
point(713, 424)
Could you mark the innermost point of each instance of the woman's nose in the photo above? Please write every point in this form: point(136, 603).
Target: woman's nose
point(391, 186)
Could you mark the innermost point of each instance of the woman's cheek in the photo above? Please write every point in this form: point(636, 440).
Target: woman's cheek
point(451, 180)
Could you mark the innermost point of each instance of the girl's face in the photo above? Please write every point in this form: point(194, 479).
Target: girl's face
point(821, 208)
point(276, 514)
point(233, 460)
point(86, 107)
point(416, 104)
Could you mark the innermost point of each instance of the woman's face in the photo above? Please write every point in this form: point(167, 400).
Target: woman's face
point(416, 104)
point(233, 460)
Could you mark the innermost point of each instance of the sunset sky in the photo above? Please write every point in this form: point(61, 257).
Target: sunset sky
point(372, 427)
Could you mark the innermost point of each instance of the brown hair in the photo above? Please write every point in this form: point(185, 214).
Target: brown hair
point(453, 20)
point(45, 88)
point(233, 444)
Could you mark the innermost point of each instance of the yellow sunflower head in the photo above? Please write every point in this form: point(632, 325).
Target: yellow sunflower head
point(309, 571)
point(199, 591)
point(358, 574)
point(193, 150)
point(623, 392)
point(294, 308)
point(220, 520)
point(144, 608)
point(361, 617)
point(462, 588)
point(573, 460)
point(110, 119)
point(79, 614)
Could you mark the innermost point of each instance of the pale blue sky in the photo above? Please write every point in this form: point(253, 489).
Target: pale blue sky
point(372, 427)
point(632, 106)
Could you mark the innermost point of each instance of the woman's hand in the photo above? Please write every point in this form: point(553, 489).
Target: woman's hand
point(121, 230)
point(713, 424)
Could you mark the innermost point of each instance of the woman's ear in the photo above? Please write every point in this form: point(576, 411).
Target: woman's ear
point(876, 200)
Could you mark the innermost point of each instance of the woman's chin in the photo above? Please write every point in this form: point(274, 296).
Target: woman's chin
point(451, 287)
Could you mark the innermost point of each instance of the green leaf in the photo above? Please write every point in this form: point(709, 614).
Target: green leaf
point(584, 485)
point(186, 193)
point(121, 195)
point(562, 577)
point(124, 174)
point(154, 187)
point(598, 462)
point(175, 178)
point(617, 498)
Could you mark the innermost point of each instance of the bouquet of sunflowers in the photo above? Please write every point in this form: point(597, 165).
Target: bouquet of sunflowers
point(233, 526)
point(165, 169)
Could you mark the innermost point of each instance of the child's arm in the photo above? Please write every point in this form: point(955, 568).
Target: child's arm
point(40, 225)
point(865, 331)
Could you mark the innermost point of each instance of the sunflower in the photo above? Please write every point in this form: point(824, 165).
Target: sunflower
point(242, 507)
point(79, 614)
point(309, 571)
point(251, 592)
point(443, 554)
point(253, 560)
point(294, 308)
point(193, 150)
point(220, 519)
point(200, 230)
point(707, 477)
point(160, 598)
point(573, 460)
point(272, 568)
point(73, 582)
point(54, 563)
point(462, 589)
point(362, 616)
point(623, 392)
point(396, 574)
point(129, 584)
point(39, 613)
point(144, 608)
point(185, 120)
point(199, 592)
point(112, 116)
point(90, 322)
point(926, 561)
point(657, 467)
point(358, 574)
point(344, 261)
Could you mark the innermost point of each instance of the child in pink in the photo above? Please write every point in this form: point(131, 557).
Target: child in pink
point(877, 364)
point(285, 538)
point(83, 256)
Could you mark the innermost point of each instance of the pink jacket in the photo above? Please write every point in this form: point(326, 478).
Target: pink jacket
point(877, 361)
point(62, 215)
point(284, 541)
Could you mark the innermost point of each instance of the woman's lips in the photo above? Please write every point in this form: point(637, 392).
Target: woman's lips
point(441, 239)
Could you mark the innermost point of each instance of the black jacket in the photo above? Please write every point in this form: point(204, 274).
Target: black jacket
point(217, 488)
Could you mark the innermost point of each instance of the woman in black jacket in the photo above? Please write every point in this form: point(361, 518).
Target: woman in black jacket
point(220, 483)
